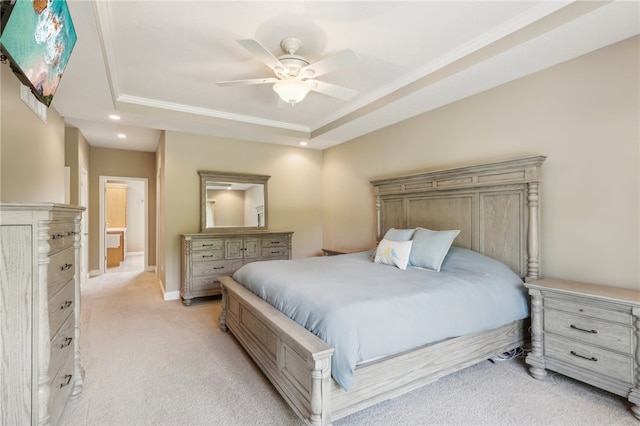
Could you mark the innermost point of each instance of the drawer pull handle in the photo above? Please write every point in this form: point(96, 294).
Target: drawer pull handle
point(218, 267)
point(209, 255)
point(275, 252)
point(66, 304)
point(67, 342)
point(57, 236)
point(66, 266)
point(207, 245)
point(594, 359)
point(583, 330)
point(68, 378)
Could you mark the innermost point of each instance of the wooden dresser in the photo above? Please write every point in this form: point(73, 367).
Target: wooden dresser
point(39, 311)
point(587, 332)
point(208, 256)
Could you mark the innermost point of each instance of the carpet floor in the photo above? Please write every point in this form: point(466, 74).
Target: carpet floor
point(153, 362)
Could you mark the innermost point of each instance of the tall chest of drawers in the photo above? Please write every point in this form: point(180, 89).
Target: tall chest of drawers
point(587, 332)
point(39, 311)
point(208, 256)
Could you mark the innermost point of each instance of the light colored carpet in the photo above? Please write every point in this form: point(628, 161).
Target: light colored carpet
point(155, 362)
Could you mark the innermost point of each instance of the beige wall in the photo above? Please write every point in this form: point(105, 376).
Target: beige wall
point(295, 189)
point(229, 207)
point(31, 151)
point(76, 158)
point(120, 163)
point(583, 115)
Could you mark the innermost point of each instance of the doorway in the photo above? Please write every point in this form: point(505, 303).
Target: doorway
point(127, 236)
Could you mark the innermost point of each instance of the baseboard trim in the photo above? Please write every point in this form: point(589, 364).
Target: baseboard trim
point(172, 295)
point(168, 295)
point(94, 273)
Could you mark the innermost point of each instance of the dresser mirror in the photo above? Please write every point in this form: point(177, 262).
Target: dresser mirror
point(232, 201)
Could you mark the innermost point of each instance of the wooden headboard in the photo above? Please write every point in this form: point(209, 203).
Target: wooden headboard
point(495, 206)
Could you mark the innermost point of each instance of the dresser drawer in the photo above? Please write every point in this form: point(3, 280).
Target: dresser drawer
point(275, 241)
point(62, 346)
point(589, 330)
point(622, 315)
point(210, 282)
point(213, 244)
point(61, 235)
point(215, 268)
point(207, 255)
point(61, 387)
point(61, 269)
point(61, 305)
point(272, 252)
point(597, 360)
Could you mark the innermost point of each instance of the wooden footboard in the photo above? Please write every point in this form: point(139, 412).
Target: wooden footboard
point(298, 363)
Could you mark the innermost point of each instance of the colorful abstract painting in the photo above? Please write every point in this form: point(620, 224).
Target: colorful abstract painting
point(38, 38)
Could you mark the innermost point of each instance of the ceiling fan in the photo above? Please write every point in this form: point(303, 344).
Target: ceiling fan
point(294, 75)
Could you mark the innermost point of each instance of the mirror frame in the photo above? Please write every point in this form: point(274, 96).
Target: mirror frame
point(207, 176)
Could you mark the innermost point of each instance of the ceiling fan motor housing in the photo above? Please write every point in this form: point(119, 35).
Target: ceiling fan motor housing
point(293, 63)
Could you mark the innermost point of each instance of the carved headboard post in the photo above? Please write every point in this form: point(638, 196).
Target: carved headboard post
point(533, 237)
point(378, 218)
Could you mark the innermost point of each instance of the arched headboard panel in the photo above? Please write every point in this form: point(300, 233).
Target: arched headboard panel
point(494, 205)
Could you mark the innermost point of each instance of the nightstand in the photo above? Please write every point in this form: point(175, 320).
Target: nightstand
point(337, 251)
point(588, 332)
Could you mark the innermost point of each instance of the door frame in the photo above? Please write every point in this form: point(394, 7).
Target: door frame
point(102, 250)
point(84, 225)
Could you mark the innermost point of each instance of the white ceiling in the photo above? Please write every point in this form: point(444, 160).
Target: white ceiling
point(156, 63)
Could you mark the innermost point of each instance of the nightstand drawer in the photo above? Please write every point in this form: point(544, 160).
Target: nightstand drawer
point(591, 311)
point(600, 361)
point(589, 330)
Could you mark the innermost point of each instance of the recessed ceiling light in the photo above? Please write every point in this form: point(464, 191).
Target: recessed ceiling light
point(303, 143)
point(122, 136)
point(114, 117)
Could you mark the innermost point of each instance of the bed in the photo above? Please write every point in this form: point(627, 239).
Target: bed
point(496, 208)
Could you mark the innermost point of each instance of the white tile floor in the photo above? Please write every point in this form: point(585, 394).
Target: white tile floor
point(133, 262)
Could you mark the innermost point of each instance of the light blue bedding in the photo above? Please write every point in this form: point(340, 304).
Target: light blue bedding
point(367, 310)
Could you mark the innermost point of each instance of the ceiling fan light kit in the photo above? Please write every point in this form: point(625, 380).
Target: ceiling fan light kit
point(293, 71)
point(291, 91)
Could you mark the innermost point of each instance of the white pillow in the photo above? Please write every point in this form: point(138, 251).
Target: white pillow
point(430, 248)
point(395, 234)
point(394, 253)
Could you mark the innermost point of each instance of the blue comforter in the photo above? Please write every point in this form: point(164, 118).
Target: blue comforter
point(367, 310)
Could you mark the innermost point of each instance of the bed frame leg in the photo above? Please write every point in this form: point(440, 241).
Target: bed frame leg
point(535, 358)
point(320, 392)
point(223, 313)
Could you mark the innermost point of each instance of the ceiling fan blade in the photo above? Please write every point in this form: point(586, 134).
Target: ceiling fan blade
point(332, 90)
point(261, 53)
point(247, 82)
point(331, 63)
